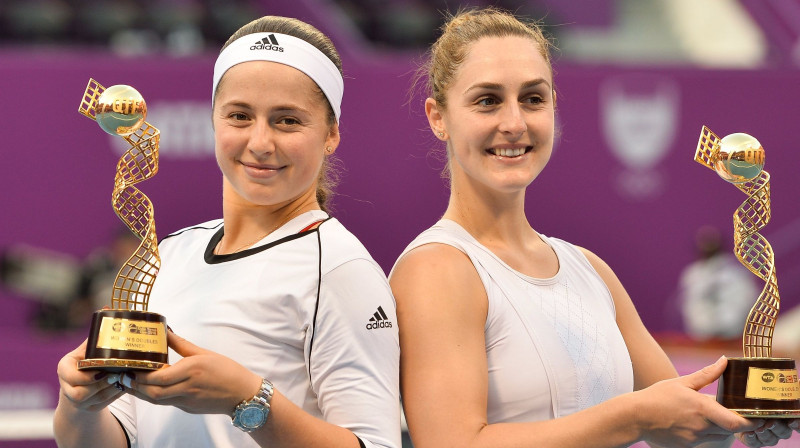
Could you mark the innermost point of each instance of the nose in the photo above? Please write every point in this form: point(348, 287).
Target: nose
point(261, 141)
point(512, 121)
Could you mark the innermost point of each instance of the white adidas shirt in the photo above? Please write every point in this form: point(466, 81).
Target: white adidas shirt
point(312, 312)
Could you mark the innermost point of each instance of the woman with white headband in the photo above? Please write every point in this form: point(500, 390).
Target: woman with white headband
point(292, 324)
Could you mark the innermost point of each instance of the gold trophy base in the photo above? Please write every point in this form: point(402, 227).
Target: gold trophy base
point(122, 340)
point(758, 413)
point(119, 364)
point(760, 387)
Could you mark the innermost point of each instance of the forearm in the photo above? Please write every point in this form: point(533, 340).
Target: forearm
point(608, 425)
point(85, 429)
point(288, 426)
point(663, 414)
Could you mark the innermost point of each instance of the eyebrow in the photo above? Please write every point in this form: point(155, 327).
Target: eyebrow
point(496, 86)
point(289, 108)
point(279, 108)
point(239, 104)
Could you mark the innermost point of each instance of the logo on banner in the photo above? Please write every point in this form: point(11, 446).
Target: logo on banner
point(639, 115)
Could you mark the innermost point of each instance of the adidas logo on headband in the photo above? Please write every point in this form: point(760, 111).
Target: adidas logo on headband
point(268, 43)
point(291, 51)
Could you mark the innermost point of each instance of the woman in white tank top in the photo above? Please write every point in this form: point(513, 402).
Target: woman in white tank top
point(510, 338)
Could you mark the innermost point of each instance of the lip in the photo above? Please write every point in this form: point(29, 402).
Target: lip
point(493, 150)
point(510, 146)
point(261, 171)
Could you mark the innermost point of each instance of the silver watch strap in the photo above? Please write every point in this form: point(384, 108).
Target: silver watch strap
point(265, 393)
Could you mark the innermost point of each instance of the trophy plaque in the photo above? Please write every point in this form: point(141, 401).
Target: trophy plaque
point(127, 336)
point(756, 384)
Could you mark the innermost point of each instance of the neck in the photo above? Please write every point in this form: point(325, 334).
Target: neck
point(489, 216)
point(247, 223)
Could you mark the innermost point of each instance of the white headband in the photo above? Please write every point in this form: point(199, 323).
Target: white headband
point(287, 50)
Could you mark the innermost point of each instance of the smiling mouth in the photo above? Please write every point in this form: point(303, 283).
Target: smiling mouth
point(261, 167)
point(509, 152)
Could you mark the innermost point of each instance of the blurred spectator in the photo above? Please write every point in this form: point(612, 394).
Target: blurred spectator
point(35, 20)
point(186, 27)
point(717, 292)
point(127, 27)
point(67, 290)
point(414, 24)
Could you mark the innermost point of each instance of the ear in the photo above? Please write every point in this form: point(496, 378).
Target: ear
point(333, 138)
point(435, 117)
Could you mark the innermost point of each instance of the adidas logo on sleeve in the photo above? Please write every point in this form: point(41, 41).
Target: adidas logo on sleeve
point(267, 43)
point(379, 320)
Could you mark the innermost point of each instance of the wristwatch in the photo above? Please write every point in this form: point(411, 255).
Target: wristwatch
point(251, 414)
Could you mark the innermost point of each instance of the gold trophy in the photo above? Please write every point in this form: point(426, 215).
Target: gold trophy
point(755, 385)
point(127, 336)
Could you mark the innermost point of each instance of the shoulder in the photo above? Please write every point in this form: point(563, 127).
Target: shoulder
point(436, 272)
point(334, 233)
point(199, 234)
point(599, 265)
point(441, 257)
point(606, 274)
point(434, 256)
point(441, 303)
point(445, 239)
point(208, 227)
point(339, 246)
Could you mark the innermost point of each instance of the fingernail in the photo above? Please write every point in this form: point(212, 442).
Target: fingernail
point(100, 375)
point(126, 380)
point(772, 426)
point(113, 378)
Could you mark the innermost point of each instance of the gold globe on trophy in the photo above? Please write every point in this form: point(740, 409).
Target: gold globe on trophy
point(755, 385)
point(127, 336)
point(120, 110)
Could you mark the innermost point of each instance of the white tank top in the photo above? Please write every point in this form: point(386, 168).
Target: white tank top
point(552, 345)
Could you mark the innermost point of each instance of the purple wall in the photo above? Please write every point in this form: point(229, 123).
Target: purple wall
point(622, 181)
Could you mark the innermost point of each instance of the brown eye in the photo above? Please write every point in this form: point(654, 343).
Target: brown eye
point(288, 121)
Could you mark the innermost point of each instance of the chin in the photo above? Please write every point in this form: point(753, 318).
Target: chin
point(515, 184)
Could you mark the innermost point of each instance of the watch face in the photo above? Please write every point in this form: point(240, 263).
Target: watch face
point(252, 416)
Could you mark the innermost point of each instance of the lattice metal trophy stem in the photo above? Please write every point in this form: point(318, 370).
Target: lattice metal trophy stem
point(755, 385)
point(128, 336)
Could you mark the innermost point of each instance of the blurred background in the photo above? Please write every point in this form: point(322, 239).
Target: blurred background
point(636, 81)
